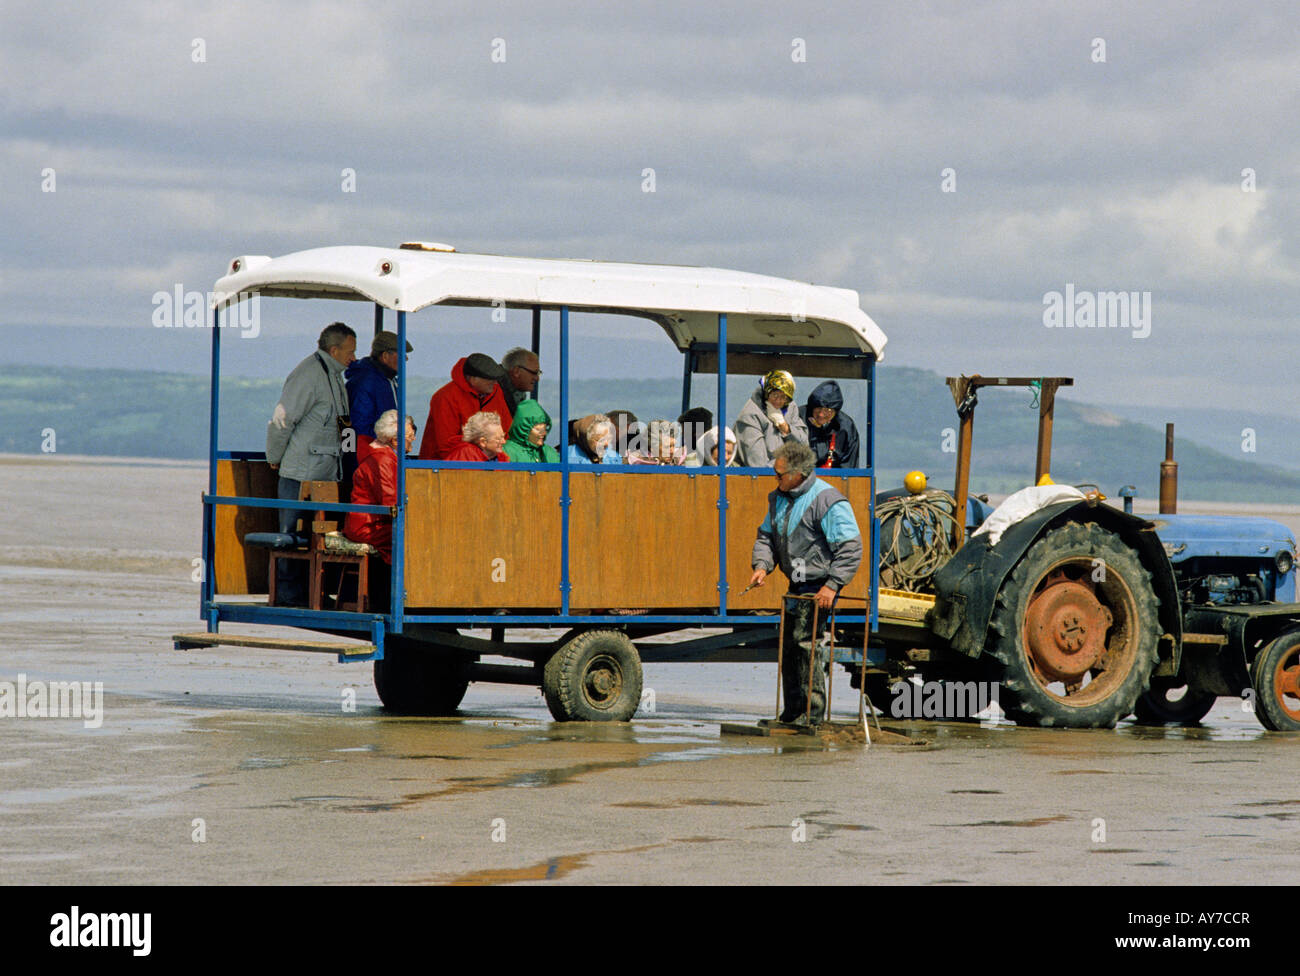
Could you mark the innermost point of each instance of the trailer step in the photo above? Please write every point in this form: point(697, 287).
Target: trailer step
point(184, 642)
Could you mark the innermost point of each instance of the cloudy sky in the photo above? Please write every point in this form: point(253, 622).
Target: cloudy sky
point(1100, 145)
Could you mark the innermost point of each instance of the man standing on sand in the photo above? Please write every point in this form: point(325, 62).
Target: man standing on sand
point(304, 438)
point(810, 532)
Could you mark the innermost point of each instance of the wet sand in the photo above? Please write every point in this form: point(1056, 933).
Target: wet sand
point(290, 787)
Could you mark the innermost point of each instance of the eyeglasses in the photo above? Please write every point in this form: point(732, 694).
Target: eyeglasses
point(535, 372)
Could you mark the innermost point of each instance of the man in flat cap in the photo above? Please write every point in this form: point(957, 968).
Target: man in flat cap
point(473, 388)
point(372, 388)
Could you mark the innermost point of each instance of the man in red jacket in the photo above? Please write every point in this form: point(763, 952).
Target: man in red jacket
point(473, 389)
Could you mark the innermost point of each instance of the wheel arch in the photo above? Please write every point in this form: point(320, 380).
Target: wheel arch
point(966, 588)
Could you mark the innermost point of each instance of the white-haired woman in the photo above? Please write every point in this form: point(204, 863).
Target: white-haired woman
point(663, 437)
point(375, 483)
point(593, 436)
point(482, 439)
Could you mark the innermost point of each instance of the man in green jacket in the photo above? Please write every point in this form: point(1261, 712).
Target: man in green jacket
point(526, 442)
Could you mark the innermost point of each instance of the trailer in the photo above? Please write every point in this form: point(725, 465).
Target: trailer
point(566, 538)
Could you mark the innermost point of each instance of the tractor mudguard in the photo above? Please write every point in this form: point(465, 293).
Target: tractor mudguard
point(966, 588)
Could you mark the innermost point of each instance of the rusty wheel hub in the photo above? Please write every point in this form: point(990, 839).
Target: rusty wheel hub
point(1065, 632)
point(1286, 682)
point(603, 681)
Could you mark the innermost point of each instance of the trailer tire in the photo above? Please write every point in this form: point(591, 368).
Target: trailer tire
point(412, 679)
point(596, 677)
point(1156, 707)
point(1275, 676)
point(1058, 621)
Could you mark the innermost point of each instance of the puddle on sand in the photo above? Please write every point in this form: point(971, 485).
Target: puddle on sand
point(1036, 822)
point(978, 792)
point(694, 802)
point(548, 870)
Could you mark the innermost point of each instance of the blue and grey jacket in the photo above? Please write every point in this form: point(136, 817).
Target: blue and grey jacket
point(811, 533)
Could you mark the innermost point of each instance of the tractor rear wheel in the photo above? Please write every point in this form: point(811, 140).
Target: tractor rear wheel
point(1275, 676)
point(1074, 631)
point(415, 679)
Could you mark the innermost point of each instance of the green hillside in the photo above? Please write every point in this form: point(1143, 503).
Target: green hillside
point(150, 414)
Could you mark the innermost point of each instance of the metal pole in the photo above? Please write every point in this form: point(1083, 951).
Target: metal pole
point(1046, 407)
point(565, 585)
point(687, 366)
point(537, 347)
point(209, 588)
point(874, 529)
point(379, 322)
point(722, 462)
point(398, 588)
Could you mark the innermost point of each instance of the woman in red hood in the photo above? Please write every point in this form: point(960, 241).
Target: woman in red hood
point(473, 389)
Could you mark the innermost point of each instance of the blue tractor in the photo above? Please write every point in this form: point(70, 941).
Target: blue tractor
point(1083, 613)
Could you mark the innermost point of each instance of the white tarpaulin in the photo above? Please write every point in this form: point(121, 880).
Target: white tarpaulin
point(1023, 504)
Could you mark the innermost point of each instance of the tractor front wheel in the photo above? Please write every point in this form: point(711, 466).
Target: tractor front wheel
point(1275, 676)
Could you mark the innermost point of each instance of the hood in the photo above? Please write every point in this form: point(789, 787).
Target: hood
point(708, 441)
point(827, 394)
point(528, 414)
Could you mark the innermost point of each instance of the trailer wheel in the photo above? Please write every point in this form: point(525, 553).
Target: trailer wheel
point(596, 677)
point(415, 679)
point(1075, 630)
point(1171, 701)
point(1275, 676)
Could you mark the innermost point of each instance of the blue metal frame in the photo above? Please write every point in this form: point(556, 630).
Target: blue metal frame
point(380, 624)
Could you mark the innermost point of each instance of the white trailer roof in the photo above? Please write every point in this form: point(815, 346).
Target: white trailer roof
point(685, 301)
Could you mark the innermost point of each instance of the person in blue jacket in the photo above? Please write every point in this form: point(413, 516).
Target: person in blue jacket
point(372, 388)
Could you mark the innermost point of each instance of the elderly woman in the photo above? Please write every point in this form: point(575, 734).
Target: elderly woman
point(706, 450)
point(375, 483)
point(481, 439)
point(768, 420)
point(527, 443)
point(592, 437)
point(663, 437)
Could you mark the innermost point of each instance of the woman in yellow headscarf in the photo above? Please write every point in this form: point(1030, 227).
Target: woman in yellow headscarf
point(768, 419)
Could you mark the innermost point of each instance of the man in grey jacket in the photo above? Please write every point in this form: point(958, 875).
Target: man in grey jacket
point(810, 532)
point(304, 437)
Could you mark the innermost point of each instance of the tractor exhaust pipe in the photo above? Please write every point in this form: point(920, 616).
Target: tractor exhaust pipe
point(1169, 476)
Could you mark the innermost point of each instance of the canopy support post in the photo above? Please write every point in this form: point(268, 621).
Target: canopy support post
point(565, 501)
point(398, 589)
point(722, 463)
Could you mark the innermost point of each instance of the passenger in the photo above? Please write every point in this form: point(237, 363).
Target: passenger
point(626, 431)
point(593, 435)
point(527, 443)
point(769, 419)
point(831, 434)
point(481, 439)
point(375, 483)
point(521, 370)
point(706, 451)
point(659, 445)
point(473, 389)
point(304, 439)
point(694, 422)
point(372, 388)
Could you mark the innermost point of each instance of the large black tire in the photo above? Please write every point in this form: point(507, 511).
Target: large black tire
point(1171, 701)
point(415, 679)
point(1074, 641)
point(1275, 676)
point(596, 677)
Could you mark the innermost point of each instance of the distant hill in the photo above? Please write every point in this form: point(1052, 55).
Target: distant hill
point(153, 414)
